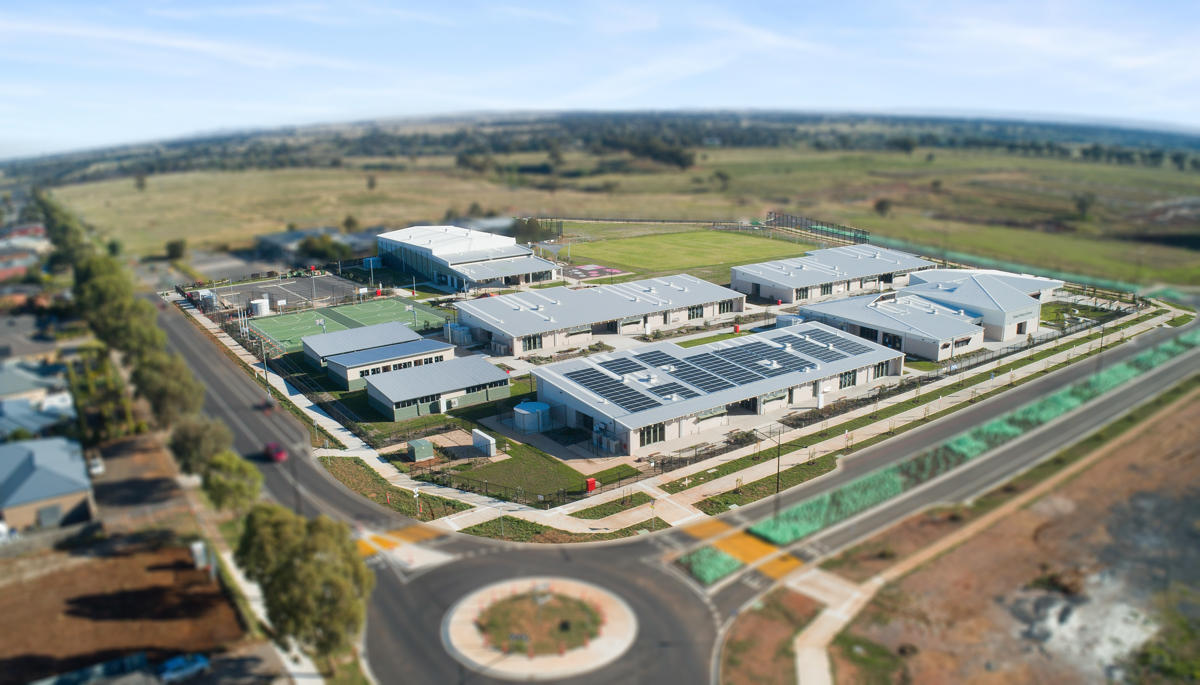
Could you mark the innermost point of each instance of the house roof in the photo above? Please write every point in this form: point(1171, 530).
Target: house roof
point(19, 377)
point(500, 268)
point(388, 353)
point(552, 309)
point(356, 339)
point(908, 314)
point(680, 373)
point(977, 293)
point(21, 413)
point(36, 470)
point(1026, 283)
point(432, 379)
point(834, 264)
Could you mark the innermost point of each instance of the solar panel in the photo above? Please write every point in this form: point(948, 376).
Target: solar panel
point(685, 372)
point(622, 366)
point(811, 349)
point(614, 391)
point(753, 356)
point(668, 389)
point(845, 344)
point(723, 368)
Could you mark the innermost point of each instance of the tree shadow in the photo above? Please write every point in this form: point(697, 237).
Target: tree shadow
point(24, 668)
point(136, 491)
point(146, 604)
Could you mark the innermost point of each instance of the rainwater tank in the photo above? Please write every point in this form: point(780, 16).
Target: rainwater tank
point(531, 417)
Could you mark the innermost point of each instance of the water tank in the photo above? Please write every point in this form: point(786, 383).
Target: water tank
point(531, 417)
point(260, 307)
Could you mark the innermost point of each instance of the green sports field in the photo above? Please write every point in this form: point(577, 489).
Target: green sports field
point(287, 329)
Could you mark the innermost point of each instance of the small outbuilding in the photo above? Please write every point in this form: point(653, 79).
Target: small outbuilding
point(351, 371)
point(435, 388)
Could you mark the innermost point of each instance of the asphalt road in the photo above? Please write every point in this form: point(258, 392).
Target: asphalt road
point(678, 623)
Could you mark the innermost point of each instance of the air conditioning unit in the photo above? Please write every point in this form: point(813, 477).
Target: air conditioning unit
point(450, 404)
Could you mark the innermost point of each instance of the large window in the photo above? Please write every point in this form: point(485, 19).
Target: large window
point(428, 399)
point(653, 434)
point(531, 342)
point(868, 333)
point(881, 369)
point(801, 293)
point(963, 342)
point(696, 312)
point(849, 379)
point(893, 341)
point(725, 307)
point(485, 386)
point(827, 289)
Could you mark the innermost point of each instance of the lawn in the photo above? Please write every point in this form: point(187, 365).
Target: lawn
point(520, 530)
point(356, 475)
point(684, 252)
point(1056, 312)
point(615, 506)
point(987, 204)
point(710, 339)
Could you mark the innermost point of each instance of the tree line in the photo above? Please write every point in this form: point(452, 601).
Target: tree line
point(314, 582)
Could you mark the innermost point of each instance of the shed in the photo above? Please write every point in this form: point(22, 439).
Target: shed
point(420, 450)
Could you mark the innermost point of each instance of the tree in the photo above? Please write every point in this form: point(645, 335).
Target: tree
point(350, 224)
point(1083, 204)
point(326, 248)
point(556, 157)
point(139, 182)
point(314, 582)
point(371, 182)
point(196, 440)
point(904, 144)
point(475, 210)
point(114, 247)
point(231, 482)
point(936, 184)
point(883, 206)
point(168, 385)
point(177, 249)
point(929, 157)
point(723, 178)
point(1179, 159)
point(136, 331)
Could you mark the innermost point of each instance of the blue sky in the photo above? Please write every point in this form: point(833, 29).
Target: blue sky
point(87, 74)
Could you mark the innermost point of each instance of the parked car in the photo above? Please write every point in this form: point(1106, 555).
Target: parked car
point(96, 466)
point(183, 668)
point(275, 453)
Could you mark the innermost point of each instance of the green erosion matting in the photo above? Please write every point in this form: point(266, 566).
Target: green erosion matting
point(869, 490)
point(709, 565)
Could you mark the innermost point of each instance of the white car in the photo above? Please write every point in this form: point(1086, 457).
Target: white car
point(96, 466)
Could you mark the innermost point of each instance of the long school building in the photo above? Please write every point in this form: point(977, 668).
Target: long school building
point(436, 388)
point(462, 259)
point(826, 274)
point(542, 321)
point(633, 400)
point(351, 371)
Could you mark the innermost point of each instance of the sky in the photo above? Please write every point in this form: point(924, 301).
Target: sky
point(76, 75)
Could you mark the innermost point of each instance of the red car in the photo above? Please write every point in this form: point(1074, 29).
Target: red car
point(275, 453)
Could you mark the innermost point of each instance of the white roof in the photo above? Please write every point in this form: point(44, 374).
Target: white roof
point(553, 309)
point(834, 264)
point(978, 293)
point(356, 339)
point(446, 241)
point(433, 379)
point(636, 373)
point(908, 314)
point(1026, 283)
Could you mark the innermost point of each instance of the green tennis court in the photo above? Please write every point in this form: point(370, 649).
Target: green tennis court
point(287, 329)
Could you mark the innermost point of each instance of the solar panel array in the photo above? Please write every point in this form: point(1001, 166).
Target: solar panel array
point(723, 368)
point(752, 355)
point(612, 390)
point(812, 349)
point(668, 389)
point(622, 366)
point(854, 348)
point(685, 372)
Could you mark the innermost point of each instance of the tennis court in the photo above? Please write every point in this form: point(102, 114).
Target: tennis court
point(287, 329)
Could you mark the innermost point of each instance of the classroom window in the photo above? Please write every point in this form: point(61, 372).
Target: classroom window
point(375, 371)
point(868, 333)
point(801, 293)
point(696, 312)
point(653, 434)
point(364, 373)
point(416, 362)
point(881, 369)
point(531, 342)
point(725, 307)
point(848, 379)
point(893, 341)
point(666, 317)
point(827, 289)
point(962, 343)
point(437, 358)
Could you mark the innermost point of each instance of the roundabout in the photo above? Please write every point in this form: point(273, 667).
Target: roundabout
point(538, 628)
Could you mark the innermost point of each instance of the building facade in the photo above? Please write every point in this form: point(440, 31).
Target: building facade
point(436, 388)
point(461, 259)
point(351, 371)
point(827, 274)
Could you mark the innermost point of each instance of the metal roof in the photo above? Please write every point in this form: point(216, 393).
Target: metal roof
point(785, 343)
point(36, 470)
point(1026, 283)
point(388, 353)
point(978, 293)
point(834, 264)
point(18, 376)
point(552, 309)
point(21, 413)
point(908, 314)
point(499, 268)
point(355, 339)
point(432, 379)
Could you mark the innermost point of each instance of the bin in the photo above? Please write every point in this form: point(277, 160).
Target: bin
point(737, 328)
point(591, 484)
point(378, 292)
point(778, 301)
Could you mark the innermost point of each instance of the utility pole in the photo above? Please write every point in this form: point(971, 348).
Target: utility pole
point(778, 461)
point(295, 485)
point(314, 289)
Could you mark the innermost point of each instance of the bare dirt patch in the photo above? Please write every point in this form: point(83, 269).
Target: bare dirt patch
point(130, 599)
point(758, 648)
point(1063, 590)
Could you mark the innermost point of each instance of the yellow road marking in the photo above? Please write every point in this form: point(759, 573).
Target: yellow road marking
point(780, 567)
point(745, 547)
point(707, 529)
point(384, 543)
point(365, 549)
point(416, 533)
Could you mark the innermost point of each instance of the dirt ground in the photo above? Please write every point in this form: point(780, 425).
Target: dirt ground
point(138, 487)
point(60, 611)
point(1061, 591)
point(758, 648)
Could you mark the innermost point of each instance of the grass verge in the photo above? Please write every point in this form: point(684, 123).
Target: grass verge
point(710, 339)
point(1181, 320)
point(615, 506)
point(520, 530)
point(765, 487)
point(355, 474)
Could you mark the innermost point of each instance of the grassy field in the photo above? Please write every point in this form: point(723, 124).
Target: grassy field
point(995, 205)
point(701, 253)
